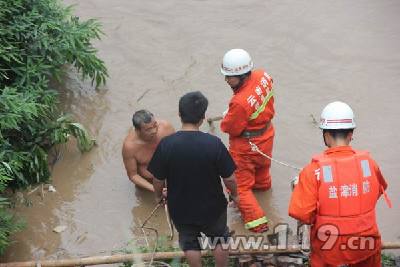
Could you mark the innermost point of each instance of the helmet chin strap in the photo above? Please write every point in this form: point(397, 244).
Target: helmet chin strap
point(241, 81)
point(323, 136)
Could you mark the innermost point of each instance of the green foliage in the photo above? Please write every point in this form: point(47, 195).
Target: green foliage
point(8, 226)
point(37, 39)
point(39, 36)
point(388, 260)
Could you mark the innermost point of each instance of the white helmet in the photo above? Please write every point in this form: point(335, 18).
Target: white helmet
point(337, 115)
point(236, 62)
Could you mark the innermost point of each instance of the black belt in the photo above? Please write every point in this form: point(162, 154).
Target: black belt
point(254, 133)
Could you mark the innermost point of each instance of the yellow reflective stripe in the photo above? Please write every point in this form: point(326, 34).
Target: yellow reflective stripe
point(262, 107)
point(256, 223)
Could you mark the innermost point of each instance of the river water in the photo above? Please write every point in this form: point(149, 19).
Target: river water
point(316, 51)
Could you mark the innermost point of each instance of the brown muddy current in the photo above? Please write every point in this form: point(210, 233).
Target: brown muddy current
point(316, 51)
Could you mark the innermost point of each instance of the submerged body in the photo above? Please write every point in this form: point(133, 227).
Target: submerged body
point(138, 150)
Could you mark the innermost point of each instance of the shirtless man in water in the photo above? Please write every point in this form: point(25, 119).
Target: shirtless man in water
point(140, 144)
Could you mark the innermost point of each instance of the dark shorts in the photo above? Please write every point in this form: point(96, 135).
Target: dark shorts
point(216, 231)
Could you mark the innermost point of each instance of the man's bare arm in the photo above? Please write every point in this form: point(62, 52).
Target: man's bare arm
point(230, 184)
point(131, 169)
point(166, 129)
point(158, 188)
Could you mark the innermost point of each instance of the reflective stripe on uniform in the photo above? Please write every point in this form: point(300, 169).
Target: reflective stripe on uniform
point(327, 174)
point(365, 168)
point(262, 107)
point(256, 222)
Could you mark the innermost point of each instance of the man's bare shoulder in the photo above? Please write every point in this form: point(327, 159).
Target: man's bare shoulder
point(164, 123)
point(130, 145)
point(165, 128)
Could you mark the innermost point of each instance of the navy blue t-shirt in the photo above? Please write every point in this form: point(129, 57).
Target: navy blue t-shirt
point(193, 162)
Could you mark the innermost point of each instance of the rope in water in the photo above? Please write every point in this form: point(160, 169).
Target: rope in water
point(255, 148)
point(159, 204)
point(153, 229)
point(143, 226)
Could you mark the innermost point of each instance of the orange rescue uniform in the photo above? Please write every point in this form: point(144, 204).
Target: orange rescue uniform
point(251, 109)
point(336, 194)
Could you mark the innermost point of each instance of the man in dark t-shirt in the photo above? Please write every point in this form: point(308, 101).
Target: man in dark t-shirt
point(192, 163)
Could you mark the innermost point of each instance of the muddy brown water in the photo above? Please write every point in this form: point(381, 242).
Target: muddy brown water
point(316, 51)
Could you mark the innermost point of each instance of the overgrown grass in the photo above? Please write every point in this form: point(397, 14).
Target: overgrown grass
point(37, 38)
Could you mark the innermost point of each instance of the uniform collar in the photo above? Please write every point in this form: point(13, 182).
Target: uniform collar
point(339, 149)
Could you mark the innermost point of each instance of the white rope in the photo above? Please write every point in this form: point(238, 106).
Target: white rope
point(255, 148)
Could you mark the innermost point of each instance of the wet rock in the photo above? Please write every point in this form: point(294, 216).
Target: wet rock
point(59, 229)
point(52, 188)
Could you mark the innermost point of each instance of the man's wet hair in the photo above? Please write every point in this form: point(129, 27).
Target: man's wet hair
point(338, 133)
point(140, 117)
point(192, 107)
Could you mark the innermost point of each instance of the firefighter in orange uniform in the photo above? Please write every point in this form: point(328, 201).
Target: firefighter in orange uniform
point(337, 193)
point(248, 118)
